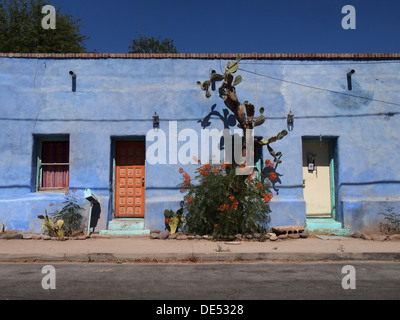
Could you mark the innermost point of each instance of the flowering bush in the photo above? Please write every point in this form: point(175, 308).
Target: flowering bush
point(223, 203)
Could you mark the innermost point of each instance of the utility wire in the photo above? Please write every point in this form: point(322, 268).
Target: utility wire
point(318, 88)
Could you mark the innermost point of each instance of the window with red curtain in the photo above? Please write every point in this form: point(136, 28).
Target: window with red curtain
point(54, 165)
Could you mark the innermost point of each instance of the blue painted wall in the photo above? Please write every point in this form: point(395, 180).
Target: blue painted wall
point(118, 97)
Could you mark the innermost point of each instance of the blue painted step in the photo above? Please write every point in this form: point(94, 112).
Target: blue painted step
point(327, 225)
point(118, 227)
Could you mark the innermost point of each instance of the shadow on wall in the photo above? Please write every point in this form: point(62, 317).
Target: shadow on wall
point(96, 211)
point(229, 121)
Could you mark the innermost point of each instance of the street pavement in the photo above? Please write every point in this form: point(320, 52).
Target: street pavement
point(143, 249)
point(233, 283)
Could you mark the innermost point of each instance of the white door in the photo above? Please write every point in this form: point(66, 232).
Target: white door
point(316, 179)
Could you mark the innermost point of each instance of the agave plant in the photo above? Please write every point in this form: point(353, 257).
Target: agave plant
point(52, 229)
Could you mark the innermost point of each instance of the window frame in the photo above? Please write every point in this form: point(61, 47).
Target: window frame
point(39, 164)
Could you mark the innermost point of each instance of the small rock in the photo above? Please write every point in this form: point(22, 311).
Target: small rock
point(182, 237)
point(155, 231)
point(45, 237)
point(365, 236)
point(154, 236)
point(257, 235)
point(164, 235)
point(18, 236)
point(81, 238)
point(303, 235)
point(206, 237)
point(36, 236)
point(249, 236)
point(198, 237)
point(356, 235)
point(379, 238)
point(394, 237)
point(238, 236)
point(283, 236)
point(27, 236)
point(294, 235)
point(172, 236)
point(273, 238)
point(190, 237)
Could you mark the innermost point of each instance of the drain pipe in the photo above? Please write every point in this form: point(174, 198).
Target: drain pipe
point(349, 74)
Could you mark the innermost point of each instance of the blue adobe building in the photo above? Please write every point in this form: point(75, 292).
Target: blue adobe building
point(74, 121)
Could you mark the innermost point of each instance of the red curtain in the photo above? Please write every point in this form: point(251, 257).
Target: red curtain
point(55, 176)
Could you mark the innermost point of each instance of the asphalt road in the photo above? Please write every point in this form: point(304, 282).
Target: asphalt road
point(218, 281)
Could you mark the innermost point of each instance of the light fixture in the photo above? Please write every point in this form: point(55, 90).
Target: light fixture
point(213, 82)
point(290, 121)
point(156, 121)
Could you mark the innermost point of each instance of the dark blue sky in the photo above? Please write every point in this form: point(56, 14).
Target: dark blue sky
point(239, 26)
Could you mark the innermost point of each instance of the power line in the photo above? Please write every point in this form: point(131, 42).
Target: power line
point(318, 88)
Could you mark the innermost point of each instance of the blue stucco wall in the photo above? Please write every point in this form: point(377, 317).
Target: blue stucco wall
point(118, 97)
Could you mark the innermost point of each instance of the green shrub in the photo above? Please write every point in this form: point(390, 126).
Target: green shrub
point(70, 213)
point(392, 220)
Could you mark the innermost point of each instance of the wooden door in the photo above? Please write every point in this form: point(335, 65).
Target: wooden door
point(317, 179)
point(130, 179)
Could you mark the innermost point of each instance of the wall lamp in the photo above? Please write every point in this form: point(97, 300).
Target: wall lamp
point(213, 83)
point(290, 121)
point(156, 121)
point(349, 74)
point(73, 75)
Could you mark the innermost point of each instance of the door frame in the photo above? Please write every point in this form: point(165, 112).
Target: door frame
point(332, 143)
point(114, 140)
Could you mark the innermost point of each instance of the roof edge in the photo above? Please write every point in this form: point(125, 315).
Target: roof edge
point(257, 56)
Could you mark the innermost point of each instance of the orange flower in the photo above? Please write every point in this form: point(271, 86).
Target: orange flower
point(216, 170)
point(235, 205)
point(225, 164)
point(269, 164)
point(267, 197)
point(180, 170)
point(231, 198)
point(224, 207)
point(207, 166)
point(272, 176)
point(167, 221)
point(190, 199)
point(51, 204)
point(259, 185)
point(215, 226)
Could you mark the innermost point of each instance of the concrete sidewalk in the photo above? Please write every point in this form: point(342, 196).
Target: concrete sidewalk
point(144, 249)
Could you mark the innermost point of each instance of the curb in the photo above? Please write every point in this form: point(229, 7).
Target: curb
point(197, 258)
